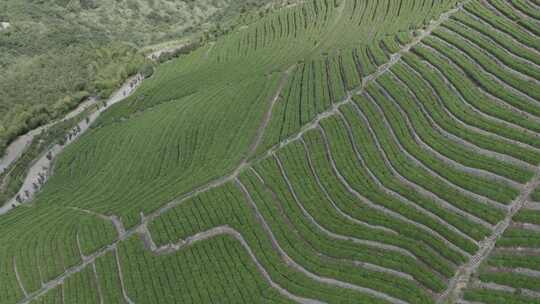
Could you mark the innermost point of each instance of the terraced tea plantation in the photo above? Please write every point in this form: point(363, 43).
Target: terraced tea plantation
point(510, 274)
point(331, 151)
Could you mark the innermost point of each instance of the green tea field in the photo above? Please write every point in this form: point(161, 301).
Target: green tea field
point(327, 151)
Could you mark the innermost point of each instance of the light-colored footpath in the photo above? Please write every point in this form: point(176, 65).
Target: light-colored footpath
point(41, 168)
point(142, 229)
point(463, 276)
point(15, 150)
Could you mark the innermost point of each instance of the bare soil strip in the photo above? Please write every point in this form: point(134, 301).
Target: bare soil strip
point(226, 230)
point(450, 162)
point(340, 212)
point(121, 276)
point(478, 18)
point(519, 270)
point(463, 275)
point(451, 136)
point(496, 11)
point(98, 286)
point(532, 206)
point(526, 226)
point(233, 176)
point(472, 129)
point(40, 171)
point(380, 208)
point(266, 120)
point(510, 52)
point(291, 263)
point(331, 234)
point(19, 278)
point(496, 78)
point(394, 58)
point(406, 182)
point(488, 53)
point(401, 179)
point(504, 288)
point(479, 112)
point(435, 174)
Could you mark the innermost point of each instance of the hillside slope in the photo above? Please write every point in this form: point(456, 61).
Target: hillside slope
point(56, 53)
point(328, 152)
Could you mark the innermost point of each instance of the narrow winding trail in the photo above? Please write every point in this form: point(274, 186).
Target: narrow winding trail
point(18, 146)
point(41, 169)
point(330, 234)
point(393, 171)
point(394, 58)
point(444, 130)
point(141, 229)
point(293, 264)
point(226, 230)
point(41, 166)
point(266, 119)
point(315, 174)
point(418, 136)
point(464, 273)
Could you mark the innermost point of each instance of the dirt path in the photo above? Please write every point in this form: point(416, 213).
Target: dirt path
point(435, 124)
point(19, 145)
point(482, 173)
point(394, 58)
point(226, 230)
point(19, 277)
point(145, 219)
point(464, 273)
point(408, 184)
point(266, 120)
point(163, 250)
point(246, 163)
point(121, 276)
point(97, 283)
point(389, 212)
point(345, 215)
point(118, 225)
point(293, 264)
point(467, 104)
point(41, 169)
point(333, 235)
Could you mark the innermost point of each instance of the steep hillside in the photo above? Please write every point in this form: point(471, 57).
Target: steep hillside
point(329, 151)
point(56, 53)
